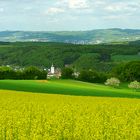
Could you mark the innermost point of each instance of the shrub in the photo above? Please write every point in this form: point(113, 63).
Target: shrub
point(67, 73)
point(7, 73)
point(113, 82)
point(92, 76)
point(33, 73)
point(134, 85)
point(28, 73)
point(88, 76)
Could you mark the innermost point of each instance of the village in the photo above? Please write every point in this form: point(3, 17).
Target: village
point(51, 73)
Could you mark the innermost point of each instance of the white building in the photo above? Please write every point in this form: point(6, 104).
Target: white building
point(53, 72)
point(52, 69)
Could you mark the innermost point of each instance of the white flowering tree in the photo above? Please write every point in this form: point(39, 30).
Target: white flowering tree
point(134, 85)
point(113, 82)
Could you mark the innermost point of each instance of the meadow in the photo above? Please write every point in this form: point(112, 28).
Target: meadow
point(68, 87)
point(125, 58)
point(33, 116)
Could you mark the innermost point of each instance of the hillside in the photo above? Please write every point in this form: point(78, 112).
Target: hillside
point(77, 37)
point(68, 87)
point(101, 57)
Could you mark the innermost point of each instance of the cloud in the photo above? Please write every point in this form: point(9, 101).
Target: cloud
point(122, 6)
point(1, 10)
point(77, 14)
point(54, 10)
point(78, 4)
point(117, 17)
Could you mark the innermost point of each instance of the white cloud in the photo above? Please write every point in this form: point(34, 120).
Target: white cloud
point(121, 6)
point(54, 10)
point(113, 17)
point(99, 3)
point(77, 14)
point(78, 4)
point(1, 9)
point(113, 7)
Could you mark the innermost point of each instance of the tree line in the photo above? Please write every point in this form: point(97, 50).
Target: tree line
point(125, 72)
point(28, 73)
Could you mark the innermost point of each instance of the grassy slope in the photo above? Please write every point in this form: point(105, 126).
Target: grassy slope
point(68, 87)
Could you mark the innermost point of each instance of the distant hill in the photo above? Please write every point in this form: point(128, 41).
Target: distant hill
point(76, 37)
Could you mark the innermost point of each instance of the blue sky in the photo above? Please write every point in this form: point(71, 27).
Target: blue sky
point(58, 15)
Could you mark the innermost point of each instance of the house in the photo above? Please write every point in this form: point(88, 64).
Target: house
point(54, 72)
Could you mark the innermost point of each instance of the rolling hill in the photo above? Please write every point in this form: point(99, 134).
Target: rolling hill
point(68, 87)
point(77, 37)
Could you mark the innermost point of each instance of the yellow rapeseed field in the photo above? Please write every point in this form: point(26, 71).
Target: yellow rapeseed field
point(32, 116)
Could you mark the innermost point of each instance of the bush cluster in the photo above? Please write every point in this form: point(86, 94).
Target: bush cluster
point(85, 75)
point(134, 85)
point(28, 73)
point(115, 82)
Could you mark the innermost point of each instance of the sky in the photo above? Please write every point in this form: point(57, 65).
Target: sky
point(68, 15)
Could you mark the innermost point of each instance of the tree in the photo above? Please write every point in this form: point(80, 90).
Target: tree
point(128, 72)
point(88, 76)
point(67, 73)
point(134, 85)
point(7, 73)
point(102, 77)
point(105, 56)
point(92, 76)
point(34, 73)
point(113, 82)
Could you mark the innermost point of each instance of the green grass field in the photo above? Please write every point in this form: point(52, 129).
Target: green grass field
point(68, 87)
point(125, 58)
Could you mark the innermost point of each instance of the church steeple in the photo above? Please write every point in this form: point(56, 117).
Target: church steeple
point(54, 72)
point(52, 69)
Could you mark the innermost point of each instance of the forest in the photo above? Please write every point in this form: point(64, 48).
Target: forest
point(101, 57)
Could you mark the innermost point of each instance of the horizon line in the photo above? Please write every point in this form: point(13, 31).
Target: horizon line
point(67, 30)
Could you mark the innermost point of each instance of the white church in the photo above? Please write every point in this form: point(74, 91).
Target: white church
point(53, 72)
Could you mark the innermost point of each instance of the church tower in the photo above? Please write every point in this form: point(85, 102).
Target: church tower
point(52, 69)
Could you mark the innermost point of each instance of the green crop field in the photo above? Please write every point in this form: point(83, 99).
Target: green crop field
point(125, 58)
point(47, 110)
point(68, 87)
